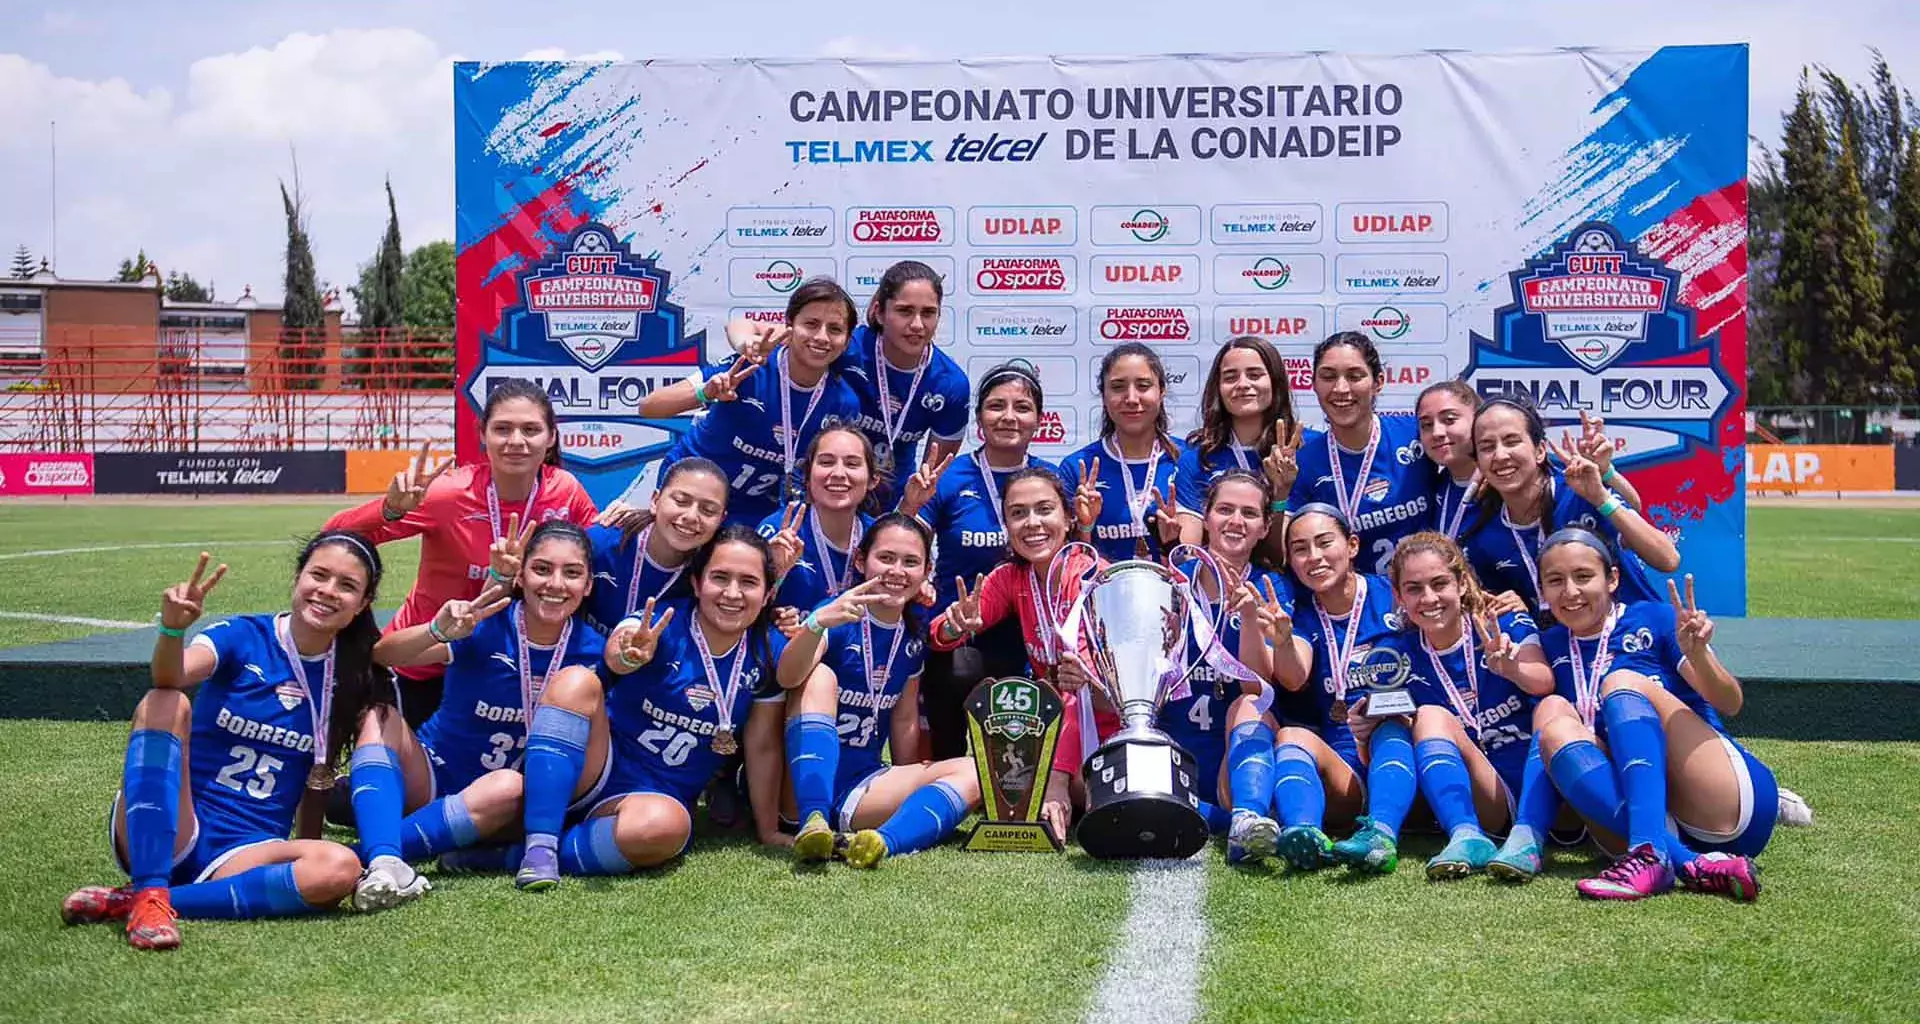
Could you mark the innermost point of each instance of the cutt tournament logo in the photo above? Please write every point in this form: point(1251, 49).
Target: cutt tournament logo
point(595, 331)
point(1596, 327)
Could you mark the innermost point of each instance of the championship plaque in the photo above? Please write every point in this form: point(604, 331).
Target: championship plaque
point(1015, 723)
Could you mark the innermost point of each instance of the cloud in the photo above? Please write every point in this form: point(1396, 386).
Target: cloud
point(560, 53)
point(863, 48)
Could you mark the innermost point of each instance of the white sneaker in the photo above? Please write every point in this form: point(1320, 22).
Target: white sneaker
point(1794, 811)
point(1251, 838)
point(388, 882)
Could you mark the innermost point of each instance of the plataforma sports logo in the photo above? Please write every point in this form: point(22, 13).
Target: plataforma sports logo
point(1147, 225)
point(1387, 323)
point(780, 276)
point(1269, 274)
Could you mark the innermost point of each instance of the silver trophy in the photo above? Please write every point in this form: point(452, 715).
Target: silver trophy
point(1142, 790)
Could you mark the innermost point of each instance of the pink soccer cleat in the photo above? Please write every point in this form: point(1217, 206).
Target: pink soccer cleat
point(1636, 876)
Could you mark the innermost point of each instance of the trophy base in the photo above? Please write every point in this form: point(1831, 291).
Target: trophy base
point(1142, 800)
point(1012, 837)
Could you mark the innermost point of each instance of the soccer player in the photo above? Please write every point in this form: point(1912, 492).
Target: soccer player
point(970, 538)
point(647, 559)
point(460, 513)
point(458, 781)
point(1246, 423)
point(1444, 412)
point(1524, 500)
point(1123, 484)
point(758, 420)
point(909, 390)
point(813, 540)
point(855, 670)
point(280, 696)
point(1475, 675)
point(1365, 464)
point(695, 684)
point(1642, 678)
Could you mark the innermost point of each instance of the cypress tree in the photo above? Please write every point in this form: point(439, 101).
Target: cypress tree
point(1804, 262)
point(1902, 291)
point(303, 316)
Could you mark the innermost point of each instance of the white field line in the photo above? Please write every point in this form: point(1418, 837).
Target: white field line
point(213, 546)
point(75, 620)
point(1154, 974)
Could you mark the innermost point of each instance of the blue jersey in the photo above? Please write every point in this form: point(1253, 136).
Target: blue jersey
point(1199, 723)
point(1119, 531)
point(969, 533)
point(252, 741)
point(614, 595)
point(744, 436)
point(1393, 502)
point(1197, 472)
point(865, 715)
point(662, 715)
point(1498, 714)
point(1452, 512)
point(1506, 555)
point(1315, 707)
point(823, 569)
point(935, 407)
point(1645, 640)
point(481, 724)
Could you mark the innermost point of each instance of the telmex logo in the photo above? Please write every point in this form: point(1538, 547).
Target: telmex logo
point(1022, 225)
point(1001, 325)
point(1029, 274)
point(921, 226)
point(1266, 223)
point(770, 227)
point(1422, 272)
point(1169, 275)
point(864, 272)
point(1116, 324)
point(1391, 222)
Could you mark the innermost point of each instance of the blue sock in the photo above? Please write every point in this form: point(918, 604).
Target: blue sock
point(1446, 785)
point(1299, 795)
point(1390, 779)
point(556, 755)
point(813, 759)
point(1639, 747)
point(924, 818)
point(150, 791)
point(589, 849)
point(378, 800)
point(438, 827)
point(265, 891)
point(1537, 803)
point(1218, 817)
point(1250, 769)
point(1583, 775)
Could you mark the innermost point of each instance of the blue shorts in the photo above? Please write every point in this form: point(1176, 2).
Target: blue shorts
point(1344, 744)
point(211, 845)
point(1759, 808)
point(846, 798)
point(629, 773)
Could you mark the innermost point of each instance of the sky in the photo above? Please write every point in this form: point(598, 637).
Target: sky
point(177, 121)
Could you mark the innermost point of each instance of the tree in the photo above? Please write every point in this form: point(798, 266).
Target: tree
point(22, 263)
point(428, 283)
point(1797, 319)
point(384, 305)
point(303, 316)
point(1902, 291)
point(1858, 368)
point(183, 288)
point(1766, 222)
point(136, 269)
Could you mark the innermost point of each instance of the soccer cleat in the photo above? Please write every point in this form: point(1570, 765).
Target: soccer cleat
point(1726, 874)
point(866, 849)
point(386, 883)
point(1305, 848)
point(1516, 862)
point(1795, 812)
point(814, 842)
point(151, 922)
point(539, 869)
point(1463, 855)
point(475, 860)
point(1368, 848)
point(1640, 873)
point(1252, 838)
point(97, 903)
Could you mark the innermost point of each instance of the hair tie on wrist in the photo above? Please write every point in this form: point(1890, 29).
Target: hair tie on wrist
point(433, 630)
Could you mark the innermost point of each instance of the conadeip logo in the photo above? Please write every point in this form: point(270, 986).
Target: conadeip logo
point(1046, 275)
point(1020, 325)
point(925, 225)
point(758, 277)
point(1171, 324)
point(1386, 323)
point(778, 227)
point(1164, 275)
point(1146, 225)
point(1596, 327)
point(1269, 273)
point(1403, 323)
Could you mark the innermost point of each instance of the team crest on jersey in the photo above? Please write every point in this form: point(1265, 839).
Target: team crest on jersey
point(700, 696)
point(1639, 640)
point(1394, 619)
point(1409, 453)
point(1377, 488)
point(290, 695)
point(933, 403)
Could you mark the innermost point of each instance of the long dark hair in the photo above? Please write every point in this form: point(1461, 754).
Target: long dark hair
point(1216, 427)
point(359, 683)
point(1490, 500)
point(565, 532)
point(897, 277)
point(516, 387)
point(822, 289)
point(680, 468)
point(1013, 371)
point(1052, 480)
point(1159, 371)
point(879, 471)
point(1240, 476)
point(916, 623)
point(759, 630)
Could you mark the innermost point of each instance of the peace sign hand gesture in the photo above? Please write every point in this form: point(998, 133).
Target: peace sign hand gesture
point(1695, 629)
point(508, 551)
point(756, 342)
point(1499, 650)
point(964, 614)
point(1165, 516)
point(1087, 502)
point(725, 387)
point(1594, 442)
point(1282, 464)
point(1582, 474)
point(922, 484)
point(850, 606)
point(182, 603)
point(636, 638)
point(786, 543)
point(456, 619)
point(409, 486)
point(1267, 611)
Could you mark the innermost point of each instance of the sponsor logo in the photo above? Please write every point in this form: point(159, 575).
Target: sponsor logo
point(1052, 429)
point(1145, 225)
point(1184, 375)
point(1019, 325)
point(750, 277)
point(774, 227)
point(1425, 272)
point(1378, 667)
point(1406, 373)
point(864, 272)
point(1265, 224)
point(1269, 273)
point(1022, 225)
point(1403, 323)
point(924, 225)
point(1386, 323)
point(1174, 324)
point(1596, 327)
point(1033, 275)
point(1167, 275)
point(1274, 323)
point(57, 473)
point(591, 302)
point(761, 315)
point(1391, 222)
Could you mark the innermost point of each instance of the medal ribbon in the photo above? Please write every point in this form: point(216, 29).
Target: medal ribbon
point(1136, 505)
point(1451, 523)
point(1454, 696)
point(639, 563)
point(886, 669)
point(1586, 688)
point(993, 484)
point(493, 506)
point(529, 693)
point(1239, 455)
point(1351, 509)
point(319, 708)
point(1337, 668)
point(723, 698)
point(836, 582)
point(789, 431)
point(881, 369)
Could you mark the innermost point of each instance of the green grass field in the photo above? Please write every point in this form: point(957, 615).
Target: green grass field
point(736, 933)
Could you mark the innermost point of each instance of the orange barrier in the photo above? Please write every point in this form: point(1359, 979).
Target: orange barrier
point(369, 472)
point(1819, 467)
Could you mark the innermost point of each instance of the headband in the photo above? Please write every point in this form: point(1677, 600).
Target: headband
point(348, 537)
point(1576, 535)
point(1322, 508)
point(1015, 368)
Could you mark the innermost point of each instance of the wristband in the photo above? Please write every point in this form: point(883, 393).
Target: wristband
point(632, 620)
point(1610, 477)
point(163, 629)
point(1611, 505)
point(387, 513)
point(700, 391)
point(433, 630)
point(496, 577)
point(812, 624)
point(1277, 507)
point(626, 662)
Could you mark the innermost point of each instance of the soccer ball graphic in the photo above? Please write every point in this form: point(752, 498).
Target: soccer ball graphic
point(593, 242)
point(1593, 241)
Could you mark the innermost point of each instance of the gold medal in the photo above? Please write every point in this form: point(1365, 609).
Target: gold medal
point(320, 779)
point(1338, 712)
point(723, 742)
